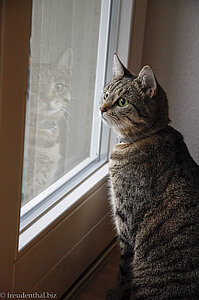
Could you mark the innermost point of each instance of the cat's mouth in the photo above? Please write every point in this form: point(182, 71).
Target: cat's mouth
point(45, 125)
point(106, 120)
point(109, 121)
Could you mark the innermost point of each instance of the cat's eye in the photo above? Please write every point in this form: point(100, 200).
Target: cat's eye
point(105, 95)
point(59, 87)
point(122, 102)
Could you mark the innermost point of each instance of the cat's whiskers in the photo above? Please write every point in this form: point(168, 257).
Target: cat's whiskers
point(114, 120)
point(65, 121)
point(149, 126)
point(70, 115)
point(137, 129)
point(142, 132)
point(80, 123)
point(121, 125)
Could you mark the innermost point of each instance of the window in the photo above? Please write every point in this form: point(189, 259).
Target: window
point(52, 226)
point(65, 140)
point(61, 92)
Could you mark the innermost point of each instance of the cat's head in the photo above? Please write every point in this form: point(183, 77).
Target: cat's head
point(49, 92)
point(134, 105)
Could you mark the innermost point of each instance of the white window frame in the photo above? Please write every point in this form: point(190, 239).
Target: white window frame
point(62, 188)
point(63, 248)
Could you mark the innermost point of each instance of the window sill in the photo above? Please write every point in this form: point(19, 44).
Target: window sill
point(65, 204)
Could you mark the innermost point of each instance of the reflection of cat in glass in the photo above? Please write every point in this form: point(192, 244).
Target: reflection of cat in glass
point(49, 96)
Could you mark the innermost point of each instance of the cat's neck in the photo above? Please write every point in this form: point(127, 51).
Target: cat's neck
point(133, 139)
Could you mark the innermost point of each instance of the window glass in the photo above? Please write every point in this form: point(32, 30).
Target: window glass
point(61, 85)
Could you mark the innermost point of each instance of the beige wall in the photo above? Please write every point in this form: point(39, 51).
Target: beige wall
point(171, 47)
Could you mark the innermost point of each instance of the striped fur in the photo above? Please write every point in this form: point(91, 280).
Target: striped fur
point(155, 201)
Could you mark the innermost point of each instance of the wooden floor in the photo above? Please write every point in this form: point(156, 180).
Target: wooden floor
point(104, 279)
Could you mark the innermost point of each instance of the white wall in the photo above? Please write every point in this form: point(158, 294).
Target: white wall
point(171, 47)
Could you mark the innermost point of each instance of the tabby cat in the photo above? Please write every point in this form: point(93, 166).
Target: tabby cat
point(155, 192)
point(48, 100)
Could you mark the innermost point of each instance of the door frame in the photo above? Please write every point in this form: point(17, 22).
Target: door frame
point(15, 18)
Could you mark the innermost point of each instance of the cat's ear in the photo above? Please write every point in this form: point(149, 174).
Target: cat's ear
point(147, 79)
point(66, 58)
point(119, 70)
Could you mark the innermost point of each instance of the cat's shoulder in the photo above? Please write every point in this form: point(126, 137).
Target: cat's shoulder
point(145, 146)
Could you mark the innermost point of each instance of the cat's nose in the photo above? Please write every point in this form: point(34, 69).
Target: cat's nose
point(102, 109)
